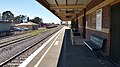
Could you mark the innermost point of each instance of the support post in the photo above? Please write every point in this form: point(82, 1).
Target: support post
point(84, 24)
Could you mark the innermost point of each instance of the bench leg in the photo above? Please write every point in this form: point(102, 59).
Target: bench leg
point(97, 53)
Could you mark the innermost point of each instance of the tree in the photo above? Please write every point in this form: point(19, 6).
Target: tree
point(28, 19)
point(72, 24)
point(52, 23)
point(17, 19)
point(7, 16)
point(20, 18)
point(37, 20)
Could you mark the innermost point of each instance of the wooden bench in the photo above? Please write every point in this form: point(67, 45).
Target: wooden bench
point(95, 43)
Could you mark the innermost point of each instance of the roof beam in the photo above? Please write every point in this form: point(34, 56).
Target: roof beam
point(56, 2)
point(86, 2)
point(66, 14)
point(44, 3)
point(62, 16)
point(76, 2)
point(67, 7)
point(66, 2)
point(60, 12)
point(67, 19)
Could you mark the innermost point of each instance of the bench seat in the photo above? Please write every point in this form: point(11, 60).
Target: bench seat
point(95, 43)
point(91, 45)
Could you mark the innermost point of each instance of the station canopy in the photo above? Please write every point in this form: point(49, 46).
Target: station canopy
point(66, 10)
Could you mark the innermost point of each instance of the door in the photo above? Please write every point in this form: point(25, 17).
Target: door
point(115, 33)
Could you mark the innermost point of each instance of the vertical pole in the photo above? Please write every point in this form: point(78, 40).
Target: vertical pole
point(76, 20)
point(84, 24)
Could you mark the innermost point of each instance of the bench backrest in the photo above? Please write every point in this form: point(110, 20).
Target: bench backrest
point(97, 40)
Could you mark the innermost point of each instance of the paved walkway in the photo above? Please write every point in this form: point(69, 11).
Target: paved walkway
point(79, 55)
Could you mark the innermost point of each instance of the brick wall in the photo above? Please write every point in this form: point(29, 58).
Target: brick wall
point(106, 17)
point(105, 25)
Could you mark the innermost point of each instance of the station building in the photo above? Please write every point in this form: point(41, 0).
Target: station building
point(30, 25)
point(100, 17)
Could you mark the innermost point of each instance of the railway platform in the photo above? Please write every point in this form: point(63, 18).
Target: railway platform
point(60, 52)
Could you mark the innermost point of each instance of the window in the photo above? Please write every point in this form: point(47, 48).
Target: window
point(99, 19)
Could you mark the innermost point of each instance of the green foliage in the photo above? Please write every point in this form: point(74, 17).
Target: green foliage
point(72, 24)
point(7, 16)
point(53, 23)
point(28, 19)
point(20, 18)
point(37, 20)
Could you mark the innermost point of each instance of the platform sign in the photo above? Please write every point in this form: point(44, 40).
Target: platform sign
point(99, 19)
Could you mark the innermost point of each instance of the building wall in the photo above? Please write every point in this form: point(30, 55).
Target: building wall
point(91, 21)
point(27, 26)
point(91, 9)
point(80, 24)
point(106, 17)
point(91, 27)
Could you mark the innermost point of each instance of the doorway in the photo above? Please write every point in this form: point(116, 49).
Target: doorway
point(115, 33)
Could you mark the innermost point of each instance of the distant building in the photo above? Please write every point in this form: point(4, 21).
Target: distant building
point(30, 25)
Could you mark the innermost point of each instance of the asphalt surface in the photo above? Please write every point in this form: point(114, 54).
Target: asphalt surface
point(79, 55)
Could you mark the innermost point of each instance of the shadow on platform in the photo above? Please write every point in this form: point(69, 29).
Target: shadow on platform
point(78, 55)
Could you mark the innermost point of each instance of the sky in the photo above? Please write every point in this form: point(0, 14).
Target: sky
point(31, 8)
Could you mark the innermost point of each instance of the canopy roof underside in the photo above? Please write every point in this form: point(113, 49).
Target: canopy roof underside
point(66, 10)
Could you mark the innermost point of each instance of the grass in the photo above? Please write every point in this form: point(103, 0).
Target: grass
point(37, 32)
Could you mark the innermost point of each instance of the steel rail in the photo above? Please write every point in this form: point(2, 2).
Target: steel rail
point(21, 52)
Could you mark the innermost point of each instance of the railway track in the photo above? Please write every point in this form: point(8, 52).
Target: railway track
point(5, 40)
point(18, 58)
point(15, 41)
point(15, 34)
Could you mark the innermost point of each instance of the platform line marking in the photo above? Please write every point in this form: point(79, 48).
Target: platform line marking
point(46, 51)
point(31, 57)
point(56, 43)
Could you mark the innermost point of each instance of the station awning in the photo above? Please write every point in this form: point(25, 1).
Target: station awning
point(66, 10)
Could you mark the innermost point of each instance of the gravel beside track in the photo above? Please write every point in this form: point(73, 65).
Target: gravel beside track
point(10, 51)
point(13, 38)
point(16, 33)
